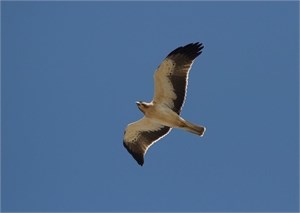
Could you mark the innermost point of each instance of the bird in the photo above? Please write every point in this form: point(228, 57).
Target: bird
point(162, 114)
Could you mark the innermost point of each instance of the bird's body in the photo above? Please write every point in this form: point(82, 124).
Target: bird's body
point(160, 114)
point(163, 112)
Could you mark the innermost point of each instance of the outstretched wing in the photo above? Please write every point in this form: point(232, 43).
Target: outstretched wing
point(140, 135)
point(171, 77)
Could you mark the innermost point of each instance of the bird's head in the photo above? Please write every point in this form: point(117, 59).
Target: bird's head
point(142, 106)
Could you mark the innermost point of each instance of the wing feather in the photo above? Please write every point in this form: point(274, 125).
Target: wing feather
point(140, 135)
point(171, 77)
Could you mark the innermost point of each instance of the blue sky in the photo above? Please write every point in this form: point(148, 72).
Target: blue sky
point(72, 71)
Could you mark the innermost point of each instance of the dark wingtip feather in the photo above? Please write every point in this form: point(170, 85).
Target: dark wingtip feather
point(138, 156)
point(191, 50)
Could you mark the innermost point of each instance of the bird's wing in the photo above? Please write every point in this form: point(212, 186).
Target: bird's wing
point(171, 77)
point(140, 135)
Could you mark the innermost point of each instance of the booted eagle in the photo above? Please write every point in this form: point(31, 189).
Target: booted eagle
point(163, 112)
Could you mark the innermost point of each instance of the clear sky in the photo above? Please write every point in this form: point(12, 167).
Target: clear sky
point(72, 71)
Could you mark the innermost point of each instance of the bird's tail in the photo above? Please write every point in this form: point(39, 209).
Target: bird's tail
point(198, 130)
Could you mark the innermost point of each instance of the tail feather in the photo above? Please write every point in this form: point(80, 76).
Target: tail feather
point(198, 130)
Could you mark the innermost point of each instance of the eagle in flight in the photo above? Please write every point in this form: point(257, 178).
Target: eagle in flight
point(163, 112)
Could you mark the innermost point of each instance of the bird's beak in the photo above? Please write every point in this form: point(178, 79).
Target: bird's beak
point(138, 103)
